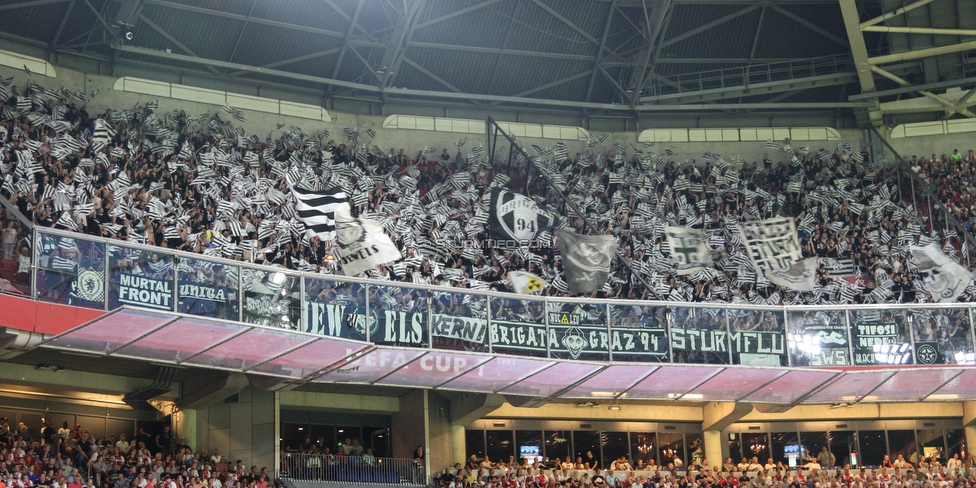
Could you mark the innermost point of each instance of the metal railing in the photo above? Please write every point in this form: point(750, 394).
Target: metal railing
point(749, 75)
point(351, 469)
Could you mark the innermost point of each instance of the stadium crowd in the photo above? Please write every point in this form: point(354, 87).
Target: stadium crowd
point(952, 179)
point(817, 472)
point(72, 457)
point(199, 183)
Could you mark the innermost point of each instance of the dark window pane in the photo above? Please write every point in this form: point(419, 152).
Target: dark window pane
point(377, 439)
point(291, 435)
point(557, 445)
point(786, 448)
point(501, 445)
point(614, 447)
point(643, 448)
point(696, 448)
point(735, 449)
point(902, 443)
point(756, 447)
point(586, 446)
point(529, 445)
point(323, 436)
point(474, 443)
point(873, 448)
point(933, 445)
point(345, 434)
point(672, 447)
point(812, 444)
point(842, 444)
point(957, 443)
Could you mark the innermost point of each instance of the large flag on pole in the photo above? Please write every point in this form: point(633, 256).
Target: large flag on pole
point(944, 278)
point(800, 277)
point(586, 260)
point(526, 283)
point(771, 243)
point(362, 243)
point(688, 249)
point(317, 210)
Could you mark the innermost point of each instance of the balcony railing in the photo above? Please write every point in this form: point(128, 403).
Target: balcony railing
point(351, 469)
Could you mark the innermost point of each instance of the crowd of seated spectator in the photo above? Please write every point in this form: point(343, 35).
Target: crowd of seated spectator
point(199, 183)
point(817, 471)
point(952, 179)
point(72, 457)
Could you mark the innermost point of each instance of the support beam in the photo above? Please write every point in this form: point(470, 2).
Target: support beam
point(895, 13)
point(407, 92)
point(431, 75)
point(942, 85)
point(950, 107)
point(457, 13)
point(921, 53)
point(492, 50)
point(704, 27)
point(656, 23)
point(599, 52)
point(859, 51)
point(809, 25)
point(296, 59)
point(172, 39)
point(919, 30)
point(102, 19)
point(37, 3)
point(345, 42)
point(64, 22)
point(555, 83)
point(567, 22)
point(243, 18)
point(396, 50)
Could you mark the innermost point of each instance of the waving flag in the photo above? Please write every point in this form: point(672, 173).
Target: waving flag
point(317, 210)
point(362, 243)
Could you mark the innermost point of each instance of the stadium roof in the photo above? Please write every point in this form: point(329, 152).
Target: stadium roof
point(600, 55)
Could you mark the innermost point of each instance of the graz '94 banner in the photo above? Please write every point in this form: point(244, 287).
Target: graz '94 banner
point(772, 243)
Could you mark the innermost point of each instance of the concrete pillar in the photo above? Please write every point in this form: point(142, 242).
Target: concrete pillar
point(246, 429)
point(460, 443)
point(970, 440)
point(969, 421)
point(186, 426)
point(713, 447)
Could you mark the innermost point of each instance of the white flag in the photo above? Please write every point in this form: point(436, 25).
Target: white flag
point(771, 243)
point(526, 283)
point(944, 278)
point(688, 249)
point(799, 277)
point(362, 243)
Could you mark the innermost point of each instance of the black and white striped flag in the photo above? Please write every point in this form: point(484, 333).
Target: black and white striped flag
point(317, 209)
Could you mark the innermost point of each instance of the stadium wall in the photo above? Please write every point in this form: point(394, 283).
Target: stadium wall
point(413, 141)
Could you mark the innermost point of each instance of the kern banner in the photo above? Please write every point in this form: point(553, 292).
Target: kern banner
point(460, 328)
point(387, 327)
point(515, 217)
point(771, 243)
point(143, 292)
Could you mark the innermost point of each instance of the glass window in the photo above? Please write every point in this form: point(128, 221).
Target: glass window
point(842, 444)
point(757, 338)
point(956, 439)
point(643, 448)
point(941, 336)
point(755, 446)
point(786, 448)
point(474, 443)
point(459, 321)
point(818, 338)
point(292, 435)
point(586, 447)
point(698, 335)
point(529, 445)
point(880, 337)
point(614, 447)
point(518, 326)
point(672, 448)
point(696, 448)
point(377, 439)
point(735, 448)
point(812, 444)
point(873, 447)
point(902, 443)
point(569, 322)
point(933, 445)
point(323, 436)
point(501, 445)
point(639, 333)
point(557, 445)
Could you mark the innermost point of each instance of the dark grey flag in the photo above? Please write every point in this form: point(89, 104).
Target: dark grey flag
point(586, 260)
point(517, 217)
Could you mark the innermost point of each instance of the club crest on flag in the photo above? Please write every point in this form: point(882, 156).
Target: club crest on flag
point(517, 217)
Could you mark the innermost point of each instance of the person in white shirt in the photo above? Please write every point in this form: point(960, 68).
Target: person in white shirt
point(122, 444)
point(216, 458)
point(954, 463)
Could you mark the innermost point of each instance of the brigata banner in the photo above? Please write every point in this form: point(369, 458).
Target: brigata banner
point(575, 342)
point(141, 291)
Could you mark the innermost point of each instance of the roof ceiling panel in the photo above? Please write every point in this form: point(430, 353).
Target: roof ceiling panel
point(610, 382)
point(309, 359)
point(850, 387)
point(911, 384)
point(669, 382)
point(790, 387)
point(249, 349)
point(433, 369)
point(309, 14)
point(39, 21)
point(496, 374)
point(180, 340)
point(370, 366)
point(734, 383)
point(552, 380)
point(109, 332)
point(962, 387)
